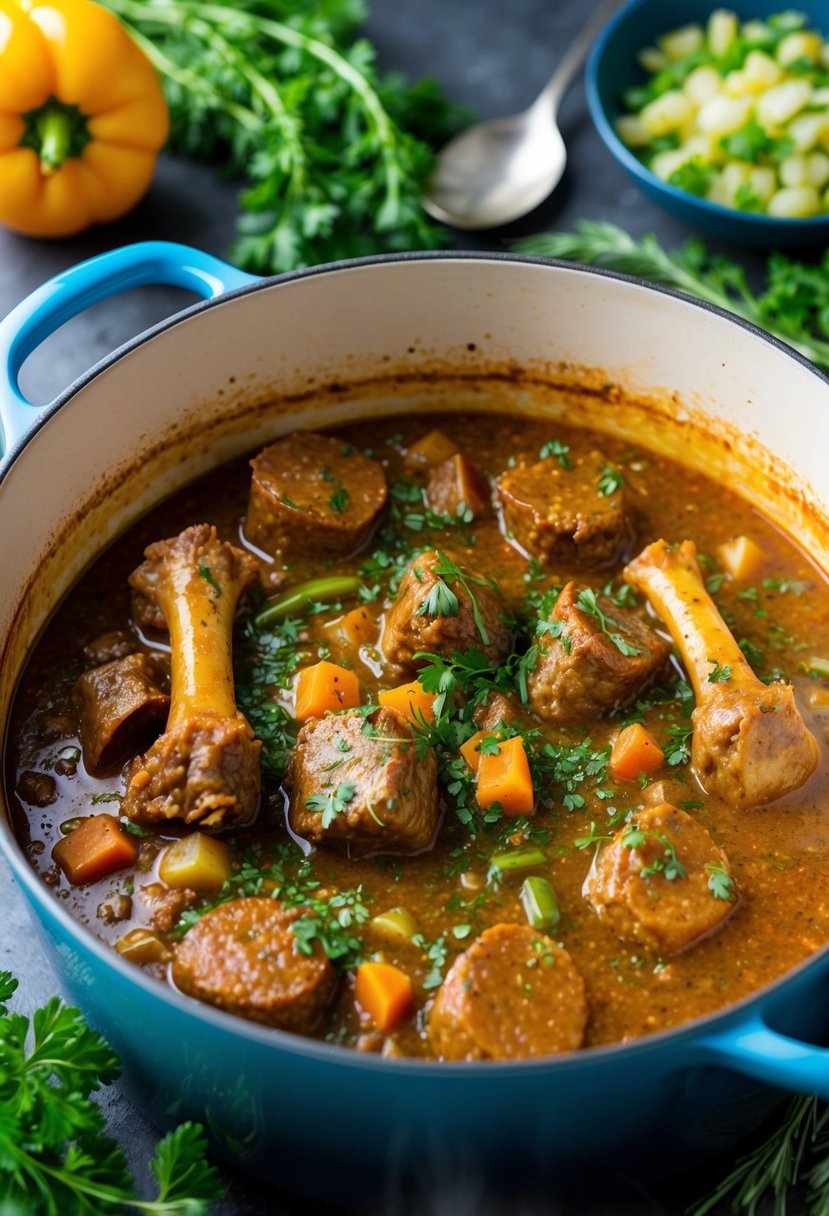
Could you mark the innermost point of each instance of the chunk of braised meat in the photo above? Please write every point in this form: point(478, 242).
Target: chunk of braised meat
point(205, 767)
point(750, 744)
point(497, 710)
point(662, 882)
point(312, 494)
point(456, 485)
point(359, 784)
point(513, 994)
point(116, 644)
point(595, 658)
point(560, 516)
point(244, 957)
point(435, 613)
point(121, 710)
point(167, 904)
point(36, 789)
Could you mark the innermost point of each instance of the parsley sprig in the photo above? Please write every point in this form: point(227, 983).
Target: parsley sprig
point(55, 1155)
point(668, 864)
point(442, 600)
point(284, 94)
point(332, 804)
point(793, 305)
point(587, 602)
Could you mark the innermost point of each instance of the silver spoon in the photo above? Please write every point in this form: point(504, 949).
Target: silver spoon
point(499, 170)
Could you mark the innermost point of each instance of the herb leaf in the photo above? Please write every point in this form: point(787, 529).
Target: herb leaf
point(333, 804)
point(209, 577)
point(55, 1155)
point(287, 102)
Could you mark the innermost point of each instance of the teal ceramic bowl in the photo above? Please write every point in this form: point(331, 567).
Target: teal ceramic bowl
point(612, 67)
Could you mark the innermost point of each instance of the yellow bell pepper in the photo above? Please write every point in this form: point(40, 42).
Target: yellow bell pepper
point(82, 117)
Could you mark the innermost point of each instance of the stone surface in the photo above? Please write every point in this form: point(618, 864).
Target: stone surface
point(492, 55)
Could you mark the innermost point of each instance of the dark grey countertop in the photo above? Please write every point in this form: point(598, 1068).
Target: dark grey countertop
point(492, 55)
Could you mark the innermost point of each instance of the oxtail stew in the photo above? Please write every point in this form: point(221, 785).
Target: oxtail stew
point(469, 737)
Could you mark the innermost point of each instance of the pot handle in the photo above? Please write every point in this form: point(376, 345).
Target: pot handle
point(752, 1048)
point(69, 293)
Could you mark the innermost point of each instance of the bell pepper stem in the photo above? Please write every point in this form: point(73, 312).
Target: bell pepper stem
point(54, 131)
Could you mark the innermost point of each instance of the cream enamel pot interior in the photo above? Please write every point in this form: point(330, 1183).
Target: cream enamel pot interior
point(369, 337)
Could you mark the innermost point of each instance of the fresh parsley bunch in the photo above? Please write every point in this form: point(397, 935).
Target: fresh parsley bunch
point(55, 1158)
point(284, 94)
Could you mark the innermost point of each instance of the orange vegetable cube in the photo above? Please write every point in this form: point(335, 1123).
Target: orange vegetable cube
point(432, 448)
point(635, 751)
point(325, 688)
point(505, 778)
point(408, 698)
point(742, 558)
point(471, 750)
point(357, 628)
point(385, 993)
point(98, 846)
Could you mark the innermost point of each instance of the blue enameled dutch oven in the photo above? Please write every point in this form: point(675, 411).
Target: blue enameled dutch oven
point(391, 335)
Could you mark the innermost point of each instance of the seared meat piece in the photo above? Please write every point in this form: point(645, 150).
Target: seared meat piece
point(116, 644)
point(205, 767)
point(359, 784)
point(584, 670)
point(662, 883)
point(560, 516)
point(750, 743)
point(121, 710)
point(167, 904)
point(496, 711)
point(312, 494)
point(514, 993)
point(37, 789)
point(243, 957)
point(421, 617)
point(455, 484)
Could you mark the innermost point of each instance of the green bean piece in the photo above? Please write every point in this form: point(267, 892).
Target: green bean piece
point(539, 902)
point(300, 598)
point(517, 859)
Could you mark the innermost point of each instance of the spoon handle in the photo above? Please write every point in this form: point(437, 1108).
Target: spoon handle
point(575, 55)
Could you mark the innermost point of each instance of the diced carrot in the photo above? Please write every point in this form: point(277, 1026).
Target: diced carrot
point(432, 448)
point(385, 993)
point(635, 751)
point(505, 778)
point(471, 750)
point(325, 687)
point(97, 846)
point(357, 628)
point(408, 698)
point(742, 558)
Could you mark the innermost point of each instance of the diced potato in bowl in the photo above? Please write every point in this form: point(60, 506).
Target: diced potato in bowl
point(736, 112)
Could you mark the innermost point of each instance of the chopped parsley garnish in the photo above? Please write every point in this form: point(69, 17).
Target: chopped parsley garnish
point(718, 674)
point(441, 601)
point(587, 602)
point(560, 451)
point(333, 804)
point(668, 865)
point(339, 500)
point(678, 747)
point(445, 568)
point(610, 480)
point(209, 577)
point(720, 883)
